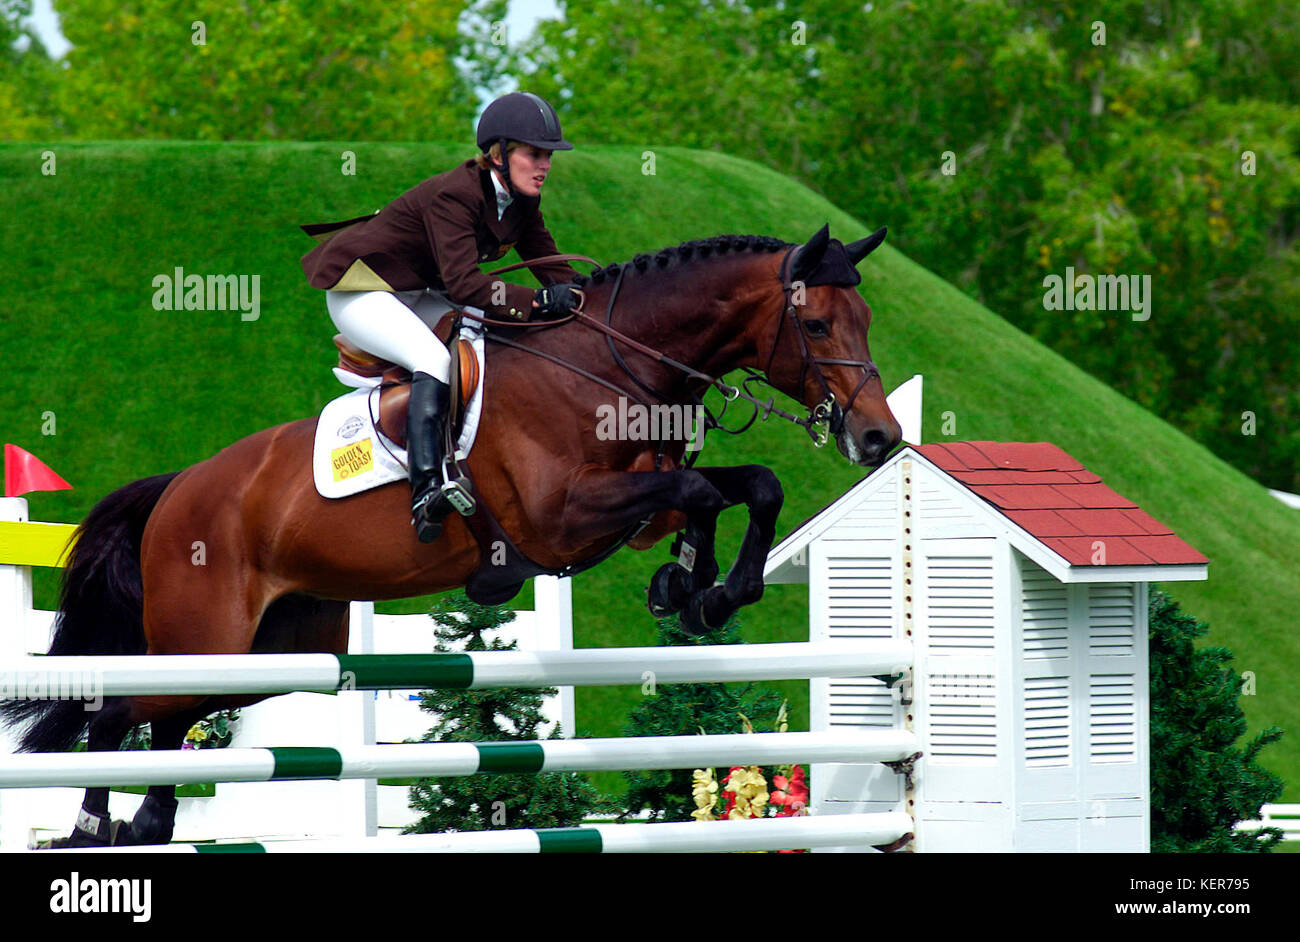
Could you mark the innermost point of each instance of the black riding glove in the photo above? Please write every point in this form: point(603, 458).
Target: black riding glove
point(556, 301)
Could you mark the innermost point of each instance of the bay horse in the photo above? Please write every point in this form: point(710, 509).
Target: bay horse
point(279, 563)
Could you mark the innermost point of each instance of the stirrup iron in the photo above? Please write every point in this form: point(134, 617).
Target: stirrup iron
point(459, 497)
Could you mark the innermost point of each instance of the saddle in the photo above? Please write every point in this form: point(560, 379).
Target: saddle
point(395, 381)
point(495, 581)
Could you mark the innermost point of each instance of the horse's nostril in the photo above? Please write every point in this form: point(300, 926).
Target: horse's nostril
point(875, 439)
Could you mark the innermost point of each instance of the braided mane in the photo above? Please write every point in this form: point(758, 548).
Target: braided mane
point(685, 252)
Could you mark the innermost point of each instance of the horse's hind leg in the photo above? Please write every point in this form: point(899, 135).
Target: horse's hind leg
point(108, 728)
point(155, 820)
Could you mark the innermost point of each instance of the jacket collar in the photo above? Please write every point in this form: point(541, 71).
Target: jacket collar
point(504, 198)
point(522, 207)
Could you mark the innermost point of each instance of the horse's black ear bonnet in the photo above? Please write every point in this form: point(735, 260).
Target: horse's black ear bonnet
point(826, 261)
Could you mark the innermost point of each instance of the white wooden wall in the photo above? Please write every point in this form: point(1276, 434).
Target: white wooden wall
point(1029, 696)
point(1083, 691)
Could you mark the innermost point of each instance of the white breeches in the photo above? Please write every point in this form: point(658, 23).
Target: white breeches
point(397, 326)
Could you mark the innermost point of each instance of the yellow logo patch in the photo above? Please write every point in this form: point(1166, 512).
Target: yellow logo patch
point(351, 460)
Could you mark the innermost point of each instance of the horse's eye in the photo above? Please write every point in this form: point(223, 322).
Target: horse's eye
point(816, 328)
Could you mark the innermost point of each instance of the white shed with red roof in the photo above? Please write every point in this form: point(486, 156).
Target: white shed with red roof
point(1021, 580)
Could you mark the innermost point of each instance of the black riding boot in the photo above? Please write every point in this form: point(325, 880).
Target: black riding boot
point(426, 413)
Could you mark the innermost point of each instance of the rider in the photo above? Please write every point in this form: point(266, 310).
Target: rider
point(389, 277)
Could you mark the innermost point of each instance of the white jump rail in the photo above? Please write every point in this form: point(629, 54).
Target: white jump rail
point(181, 767)
point(1285, 818)
point(844, 830)
point(51, 677)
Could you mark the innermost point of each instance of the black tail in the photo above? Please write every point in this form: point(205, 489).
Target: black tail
point(101, 608)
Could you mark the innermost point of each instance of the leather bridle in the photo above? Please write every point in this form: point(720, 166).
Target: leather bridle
point(828, 410)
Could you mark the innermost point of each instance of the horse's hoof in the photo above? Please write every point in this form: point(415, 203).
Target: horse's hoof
point(153, 822)
point(692, 617)
point(124, 835)
point(119, 832)
point(76, 839)
point(670, 590)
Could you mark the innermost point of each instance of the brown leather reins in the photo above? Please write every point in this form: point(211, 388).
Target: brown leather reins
point(828, 414)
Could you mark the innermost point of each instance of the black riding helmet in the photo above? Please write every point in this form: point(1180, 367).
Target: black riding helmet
point(519, 116)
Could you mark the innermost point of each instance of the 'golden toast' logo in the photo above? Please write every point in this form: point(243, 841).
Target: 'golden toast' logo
point(351, 460)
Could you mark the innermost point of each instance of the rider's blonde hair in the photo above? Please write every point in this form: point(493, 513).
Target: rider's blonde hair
point(495, 152)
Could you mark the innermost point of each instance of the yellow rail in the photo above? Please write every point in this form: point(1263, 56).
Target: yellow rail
point(35, 544)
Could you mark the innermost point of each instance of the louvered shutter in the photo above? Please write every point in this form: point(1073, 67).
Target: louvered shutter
point(861, 603)
point(959, 669)
point(1047, 701)
point(1115, 661)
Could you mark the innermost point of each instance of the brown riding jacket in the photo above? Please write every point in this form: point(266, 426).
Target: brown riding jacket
point(435, 235)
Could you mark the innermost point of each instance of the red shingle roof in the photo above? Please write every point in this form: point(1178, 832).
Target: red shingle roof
point(1060, 502)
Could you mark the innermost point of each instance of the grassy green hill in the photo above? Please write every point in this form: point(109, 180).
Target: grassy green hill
point(131, 391)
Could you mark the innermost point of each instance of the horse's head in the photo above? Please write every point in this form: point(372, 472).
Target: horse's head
point(818, 343)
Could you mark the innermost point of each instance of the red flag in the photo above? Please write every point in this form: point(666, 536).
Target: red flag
point(25, 472)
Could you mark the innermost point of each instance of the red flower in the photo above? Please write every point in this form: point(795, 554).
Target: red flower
point(790, 794)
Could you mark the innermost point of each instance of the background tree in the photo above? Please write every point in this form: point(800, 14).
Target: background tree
point(496, 801)
point(1004, 141)
point(26, 77)
point(1201, 785)
point(295, 70)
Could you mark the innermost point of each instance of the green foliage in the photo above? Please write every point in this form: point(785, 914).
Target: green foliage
point(688, 710)
point(1201, 786)
point(26, 76)
point(293, 70)
point(490, 802)
point(1122, 158)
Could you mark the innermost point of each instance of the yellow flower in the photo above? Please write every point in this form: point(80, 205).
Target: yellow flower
point(750, 789)
point(704, 792)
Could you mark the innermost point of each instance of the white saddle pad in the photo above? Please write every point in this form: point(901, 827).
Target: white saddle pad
point(351, 455)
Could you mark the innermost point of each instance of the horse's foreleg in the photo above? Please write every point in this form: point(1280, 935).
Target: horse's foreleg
point(758, 488)
point(600, 502)
point(601, 499)
point(695, 569)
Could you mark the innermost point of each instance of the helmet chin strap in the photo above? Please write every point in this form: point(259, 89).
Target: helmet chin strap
point(503, 168)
